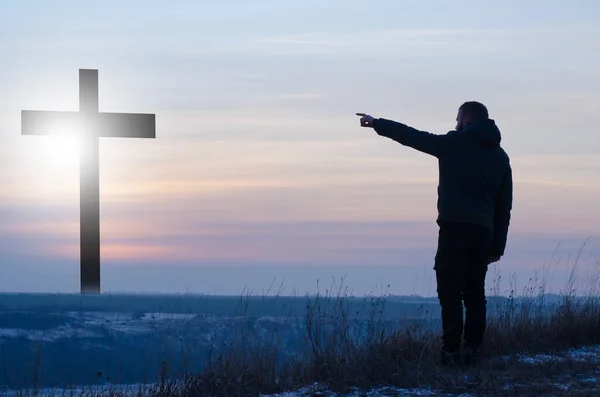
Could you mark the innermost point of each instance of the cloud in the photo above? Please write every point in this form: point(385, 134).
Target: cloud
point(407, 271)
point(336, 224)
point(415, 41)
point(357, 40)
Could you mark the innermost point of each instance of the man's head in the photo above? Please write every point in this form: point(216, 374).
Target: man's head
point(469, 112)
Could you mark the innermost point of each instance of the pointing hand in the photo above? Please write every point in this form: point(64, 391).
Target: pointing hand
point(366, 120)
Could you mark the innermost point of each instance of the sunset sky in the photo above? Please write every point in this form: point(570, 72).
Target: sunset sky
point(260, 172)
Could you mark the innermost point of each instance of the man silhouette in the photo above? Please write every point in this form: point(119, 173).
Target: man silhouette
point(475, 194)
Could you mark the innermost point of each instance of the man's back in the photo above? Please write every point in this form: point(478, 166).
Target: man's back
point(475, 176)
point(472, 171)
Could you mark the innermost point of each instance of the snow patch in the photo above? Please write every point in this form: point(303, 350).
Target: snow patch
point(12, 332)
point(319, 390)
point(168, 316)
point(106, 316)
point(588, 353)
point(62, 332)
point(131, 390)
point(276, 320)
point(561, 386)
point(537, 359)
point(585, 353)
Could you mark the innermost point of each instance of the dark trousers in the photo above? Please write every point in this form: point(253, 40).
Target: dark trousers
point(461, 264)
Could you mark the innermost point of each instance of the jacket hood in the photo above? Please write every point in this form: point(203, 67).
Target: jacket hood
point(484, 131)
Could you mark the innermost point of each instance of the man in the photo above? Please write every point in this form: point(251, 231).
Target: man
point(475, 195)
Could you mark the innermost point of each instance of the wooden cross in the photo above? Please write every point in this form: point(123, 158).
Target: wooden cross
point(92, 125)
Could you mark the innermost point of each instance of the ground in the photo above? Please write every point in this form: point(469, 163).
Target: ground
point(571, 373)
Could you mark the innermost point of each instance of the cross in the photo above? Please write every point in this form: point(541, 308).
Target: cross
point(91, 125)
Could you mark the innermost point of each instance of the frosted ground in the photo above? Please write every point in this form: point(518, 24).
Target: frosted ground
point(567, 383)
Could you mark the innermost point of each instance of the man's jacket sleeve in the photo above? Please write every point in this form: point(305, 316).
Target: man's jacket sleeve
point(503, 206)
point(420, 140)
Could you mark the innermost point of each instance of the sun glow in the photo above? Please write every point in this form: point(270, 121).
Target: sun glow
point(60, 151)
point(53, 161)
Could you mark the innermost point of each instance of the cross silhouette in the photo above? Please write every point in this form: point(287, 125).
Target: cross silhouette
point(92, 125)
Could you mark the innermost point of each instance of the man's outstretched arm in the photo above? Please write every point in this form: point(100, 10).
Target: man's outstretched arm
point(420, 140)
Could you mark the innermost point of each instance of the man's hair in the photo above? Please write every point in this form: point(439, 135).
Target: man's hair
point(476, 110)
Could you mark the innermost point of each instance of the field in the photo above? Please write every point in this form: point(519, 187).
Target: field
point(272, 345)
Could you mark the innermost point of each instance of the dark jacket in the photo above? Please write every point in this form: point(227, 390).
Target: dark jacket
point(475, 176)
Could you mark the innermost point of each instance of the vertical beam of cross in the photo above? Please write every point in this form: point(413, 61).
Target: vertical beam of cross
point(89, 185)
point(91, 125)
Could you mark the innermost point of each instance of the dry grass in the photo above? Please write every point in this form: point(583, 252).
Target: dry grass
point(345, 347)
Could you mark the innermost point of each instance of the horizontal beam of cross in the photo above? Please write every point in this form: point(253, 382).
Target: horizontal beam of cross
point(104, 125)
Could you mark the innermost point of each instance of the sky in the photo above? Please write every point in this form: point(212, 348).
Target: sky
point(260, 174)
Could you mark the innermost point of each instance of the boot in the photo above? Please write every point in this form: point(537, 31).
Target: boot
point(449, 359)
point(471, 355)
